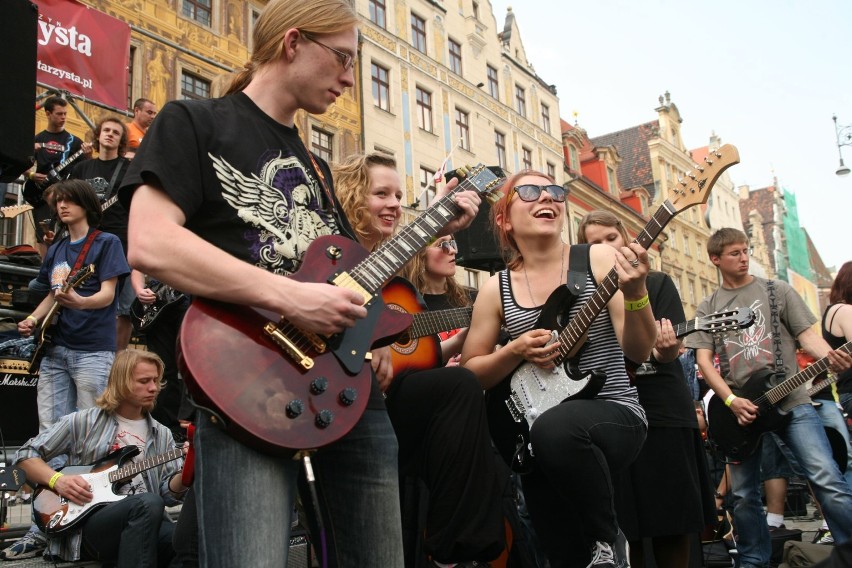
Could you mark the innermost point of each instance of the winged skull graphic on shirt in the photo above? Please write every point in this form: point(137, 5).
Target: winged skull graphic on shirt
point(283, 203)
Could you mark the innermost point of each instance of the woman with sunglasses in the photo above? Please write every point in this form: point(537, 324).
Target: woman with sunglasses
point(578, 443)
point(432, 271)
point(666, 493)
point(438, 414)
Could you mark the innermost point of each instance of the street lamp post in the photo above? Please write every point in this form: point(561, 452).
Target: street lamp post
point(844, 138)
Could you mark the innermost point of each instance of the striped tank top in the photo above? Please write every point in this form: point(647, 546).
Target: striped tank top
point(601, 350)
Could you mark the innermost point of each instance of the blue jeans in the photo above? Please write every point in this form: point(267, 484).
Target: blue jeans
point(70, 380)
point(244, 499)
point(805, 437)
point(832, 417)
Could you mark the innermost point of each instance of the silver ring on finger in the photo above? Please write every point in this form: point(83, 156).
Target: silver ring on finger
point(634, 263)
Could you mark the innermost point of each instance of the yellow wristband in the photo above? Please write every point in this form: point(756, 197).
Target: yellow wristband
point(730, 399)
point(53, 479)
point(636, 305)
point(32, 317)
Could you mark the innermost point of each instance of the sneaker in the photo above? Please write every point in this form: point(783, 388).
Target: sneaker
point(616, 555)
point(781, 527)
point(30, 545)
point(621, 551)
point(823, 536)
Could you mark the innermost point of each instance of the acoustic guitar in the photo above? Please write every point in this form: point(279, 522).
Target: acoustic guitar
point(418, 348)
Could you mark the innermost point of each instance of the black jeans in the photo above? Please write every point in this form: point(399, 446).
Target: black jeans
point(578, 445)
point(133, 532)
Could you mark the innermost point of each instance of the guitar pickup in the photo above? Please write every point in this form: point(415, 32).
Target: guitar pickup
point(289, 347)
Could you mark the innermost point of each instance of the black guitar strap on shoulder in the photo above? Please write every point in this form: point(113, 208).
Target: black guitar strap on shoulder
point(578, 268)
point(776, 333)
point(114, 178)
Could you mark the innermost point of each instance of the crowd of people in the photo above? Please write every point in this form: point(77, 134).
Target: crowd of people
point(423, 475)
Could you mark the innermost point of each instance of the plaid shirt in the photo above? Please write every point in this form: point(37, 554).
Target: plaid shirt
point(87, 436)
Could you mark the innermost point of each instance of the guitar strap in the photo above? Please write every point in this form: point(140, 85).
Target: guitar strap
point(85, 250)
point(578, 268)
point(776, 334)
point(114, 177)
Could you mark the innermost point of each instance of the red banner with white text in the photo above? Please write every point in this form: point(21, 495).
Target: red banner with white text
point(83, 51)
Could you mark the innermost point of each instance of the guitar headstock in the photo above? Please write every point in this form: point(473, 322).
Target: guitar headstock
point(14, 210)
point(482, 179)
point(82, 275)
point(11, 479)
point(730, 320)
point(695, 187)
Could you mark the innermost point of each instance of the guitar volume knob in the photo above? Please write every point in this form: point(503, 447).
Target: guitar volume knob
point(295, 408)
point(319, 385)
point(348, 396)
point(324, 418)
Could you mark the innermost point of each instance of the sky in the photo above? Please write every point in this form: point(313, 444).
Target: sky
point(765, 76)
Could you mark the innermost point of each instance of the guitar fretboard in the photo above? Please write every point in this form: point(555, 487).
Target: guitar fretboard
point(135, 468)
point(574, 331)
point(430, 323)
point(375, 270)
point(777, 393)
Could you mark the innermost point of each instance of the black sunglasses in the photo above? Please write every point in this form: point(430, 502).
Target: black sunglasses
point(531, 192)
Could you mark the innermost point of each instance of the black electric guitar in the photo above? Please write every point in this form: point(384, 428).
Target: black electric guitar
point(33, 190)
point(534, 390)
point(11, 479)
point(143, 315)
point(41, 332)
point(280, 388)
point(739, 442)
point(55, 514)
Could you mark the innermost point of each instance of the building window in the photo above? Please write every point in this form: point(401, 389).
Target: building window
point(321, 144)
point(254, 15)
point(500, 142)
point(692, 299)
point(427, 187)
point(520, 100)
point(455, 57)
point(610, 179)
point(131, 68)
point(424, 109)
point(471, 278)
point(377, 12)
point(475, 10)
point(687, 250)
point(545, 118)
point(463, 129)
point(527, 153)
point(199, 10)
point(551, 170)
point(573, 161)
point(493, 83)
point(418, 33)
point(193, 87)
point(381, 87)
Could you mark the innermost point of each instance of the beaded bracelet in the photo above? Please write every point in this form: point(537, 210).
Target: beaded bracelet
point(636, 305)
point(53, 479)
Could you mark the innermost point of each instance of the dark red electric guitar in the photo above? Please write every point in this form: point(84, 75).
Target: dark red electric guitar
point(279, 388)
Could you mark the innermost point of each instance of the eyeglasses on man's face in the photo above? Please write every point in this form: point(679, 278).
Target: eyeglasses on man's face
point(531, 192)
point(746, 251)
point(447, 246)
point(346, 60)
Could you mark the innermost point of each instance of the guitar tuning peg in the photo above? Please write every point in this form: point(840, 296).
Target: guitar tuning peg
point(700, 169)
point(494, 197)
point(692, 176)
point(708, 160)
point(463, 171)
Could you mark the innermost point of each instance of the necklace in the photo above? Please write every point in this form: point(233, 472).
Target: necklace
point(527, 278)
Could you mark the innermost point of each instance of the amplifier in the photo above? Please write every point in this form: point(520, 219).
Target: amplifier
point(18, 411)
point(300, 550)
